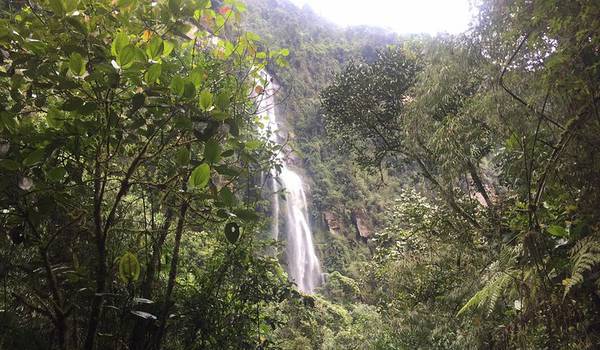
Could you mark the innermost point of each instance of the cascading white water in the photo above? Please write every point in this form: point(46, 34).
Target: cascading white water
point(303, 265)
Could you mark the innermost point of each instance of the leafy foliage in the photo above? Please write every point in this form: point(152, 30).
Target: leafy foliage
point(585, 254)
point(124, 127)
point(501, 134)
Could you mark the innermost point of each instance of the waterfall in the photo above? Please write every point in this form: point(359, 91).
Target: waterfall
point(302, 263)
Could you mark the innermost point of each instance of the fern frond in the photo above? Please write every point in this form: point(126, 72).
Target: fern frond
point(585, 254)
point(488, 296)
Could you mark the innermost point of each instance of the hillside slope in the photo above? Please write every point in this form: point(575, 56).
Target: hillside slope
point(346, 206)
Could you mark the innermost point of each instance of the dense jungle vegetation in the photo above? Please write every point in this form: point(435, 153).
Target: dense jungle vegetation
point(454, 179)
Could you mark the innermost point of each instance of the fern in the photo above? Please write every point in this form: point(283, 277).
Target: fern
point(488, 296)
point(584, 256)
point(500, 279)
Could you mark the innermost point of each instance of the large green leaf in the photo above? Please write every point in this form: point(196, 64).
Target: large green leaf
point(129, 268)
point(212, 151)
point(206, 99)
point(227, 197)
point(177, 86)
point(155, 47)
point(34, 157)
point(120, 41)
point(182, 156)
point(54, 118)
point(168, 47)
point(222, 100)
point(127, 56)
point(189, 90)
point(76, 64)
point(153, 73)
point(199, 177)
point(196, 76)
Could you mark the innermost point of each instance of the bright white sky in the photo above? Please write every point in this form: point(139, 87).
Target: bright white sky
point(401, 16)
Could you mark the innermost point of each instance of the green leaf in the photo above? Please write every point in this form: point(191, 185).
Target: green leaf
point(54, 118)
point(196, 77)
point(199, 177)
point(140, 55)
point(219, 115)
point(76, 64)
point(253, 145)
point(155, 47)
point(232, 232)
point(120, 41)
point(70, 5)
point(182, 122)
point(182, 156)
point(9, 164)
point(227, 197)
point(206, 99)
point(129, 268)
point(557, 231)
point(177, 86)
point(212, 151)
point(56, 174)
point(34, 157)
point(222, 100)
point(127, 56)
point(72, 104)
point(8, 121)
point(153, 73)
point(168, 47)
point(189, 90)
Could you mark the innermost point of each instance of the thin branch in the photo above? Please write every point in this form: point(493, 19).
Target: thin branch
point(513, 95)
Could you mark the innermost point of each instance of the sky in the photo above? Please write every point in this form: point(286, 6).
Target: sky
point(401, 16)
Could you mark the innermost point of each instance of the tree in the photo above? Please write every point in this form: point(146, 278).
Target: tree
point(124, 131)
point(380, 113)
